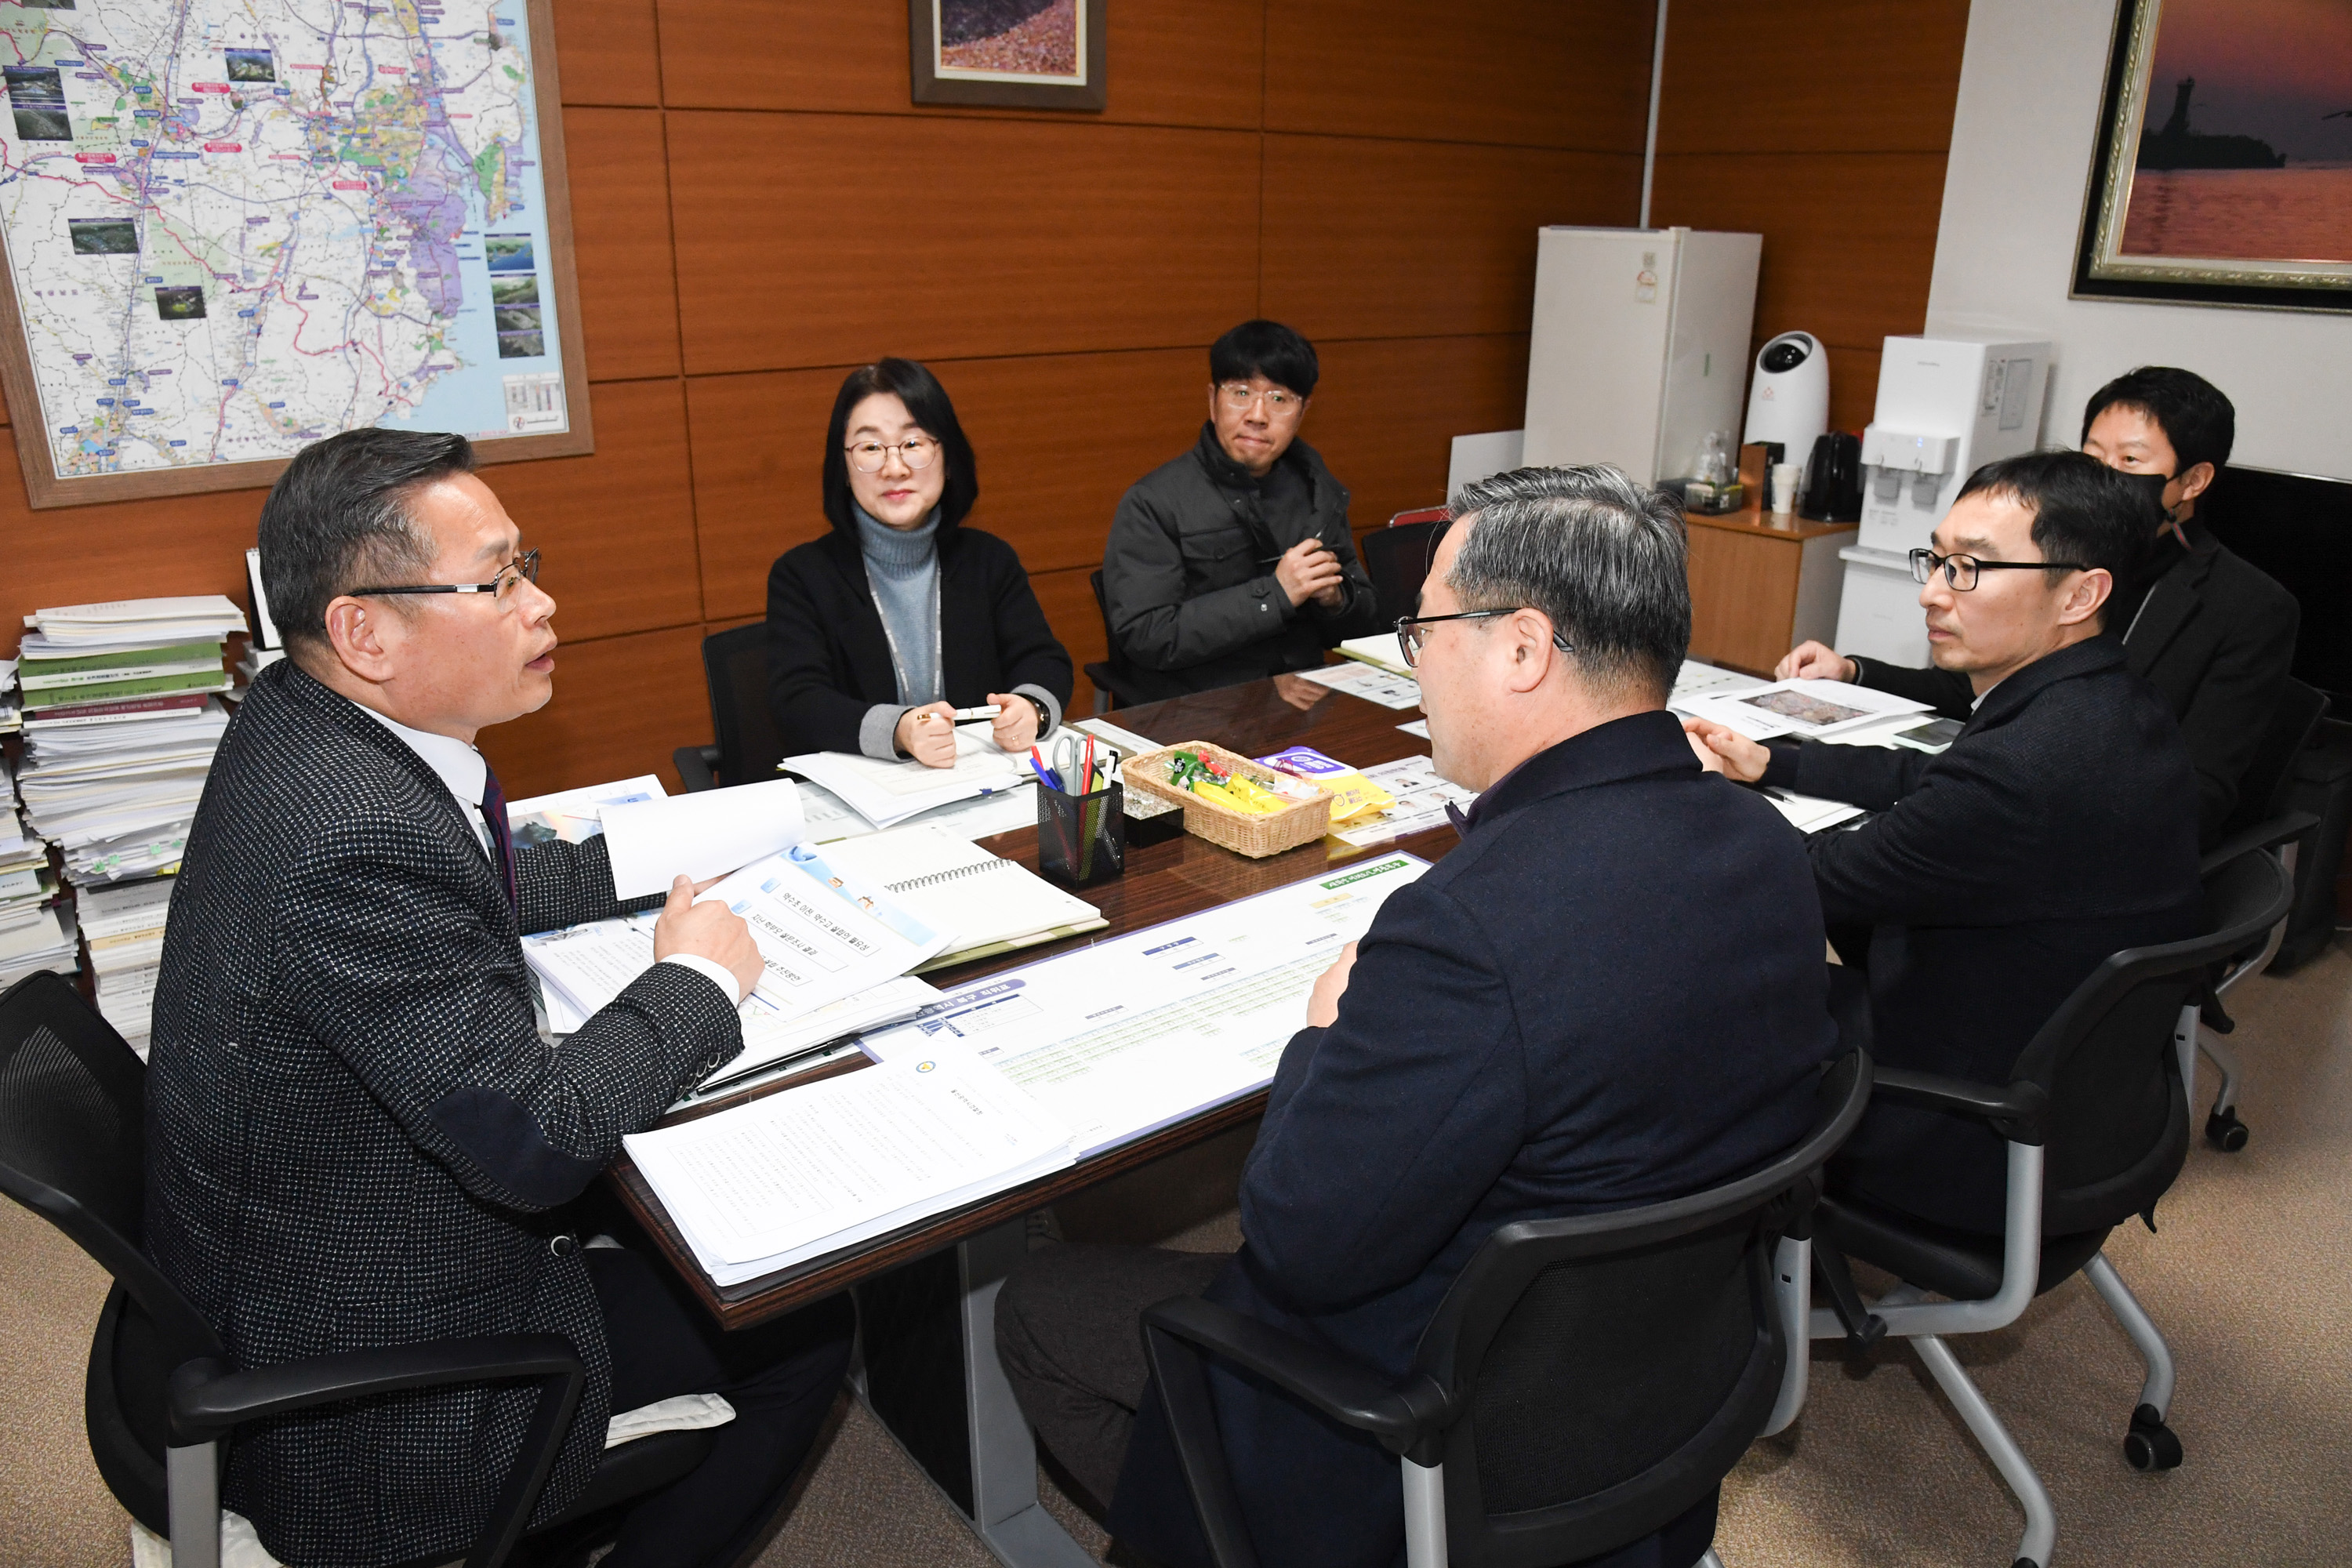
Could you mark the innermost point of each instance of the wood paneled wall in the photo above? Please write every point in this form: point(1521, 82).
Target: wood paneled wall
point(1823, 126)
point(759, 206)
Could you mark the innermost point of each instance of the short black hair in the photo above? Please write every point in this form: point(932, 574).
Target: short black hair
point(1606, 558)
point(1268, 349)
point(2085, 513)
point(340, 513)
point(2201, 424)
point(928, 406)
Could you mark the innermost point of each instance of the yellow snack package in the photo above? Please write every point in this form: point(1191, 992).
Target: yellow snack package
point(1352, 795)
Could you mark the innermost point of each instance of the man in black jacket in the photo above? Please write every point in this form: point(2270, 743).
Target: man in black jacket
point(1233, 561)
point(1611, 993)
point(2059, 827)
point(2214, 635)
point(355, 1135)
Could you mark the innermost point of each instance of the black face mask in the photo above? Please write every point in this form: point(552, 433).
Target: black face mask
point(2154, 484)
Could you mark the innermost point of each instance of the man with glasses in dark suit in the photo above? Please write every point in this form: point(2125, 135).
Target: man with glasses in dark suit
point(1611, 993)
point(356, 1136)
point(2058, 826)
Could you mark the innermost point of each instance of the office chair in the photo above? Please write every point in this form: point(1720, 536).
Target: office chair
point(1116, 684)
point(2262, 824)
point(2095, 1115)
point(163, 1399)
point(1583, 1383)
point(1396, 558)
point(735, 669)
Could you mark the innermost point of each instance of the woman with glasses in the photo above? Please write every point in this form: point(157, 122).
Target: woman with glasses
point(899, 616)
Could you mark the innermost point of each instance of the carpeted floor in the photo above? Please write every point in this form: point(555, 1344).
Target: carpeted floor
point(2250, 1282)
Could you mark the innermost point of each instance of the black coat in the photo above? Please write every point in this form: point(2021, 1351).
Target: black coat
point(2215, 637)
point(829, 659)
point(1187, 583)
point(2058, 829)
point(354, 1131)
point(1611, 993)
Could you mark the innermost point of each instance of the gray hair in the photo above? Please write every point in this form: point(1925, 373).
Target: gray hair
point(1605, 558)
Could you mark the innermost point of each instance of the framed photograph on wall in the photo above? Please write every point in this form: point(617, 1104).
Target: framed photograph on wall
point(235, 227)
point(1008, 54)
point(2224, 175)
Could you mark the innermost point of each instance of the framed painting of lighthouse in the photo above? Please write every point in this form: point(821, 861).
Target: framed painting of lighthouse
point(2223, 173)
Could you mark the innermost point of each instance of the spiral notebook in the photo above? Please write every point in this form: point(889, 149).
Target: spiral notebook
point(990, 904)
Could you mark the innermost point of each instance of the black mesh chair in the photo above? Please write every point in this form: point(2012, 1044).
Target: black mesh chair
point(163, 1399)
point(1396, 558)
point(1116, 683)
point(2262, 823)
point(735, 668)
point(2096, 1119)
point(1584, 1383)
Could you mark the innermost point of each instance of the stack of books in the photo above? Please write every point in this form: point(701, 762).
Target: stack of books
point(124, 927)
point(12, 717)
point(36, 925)
point(121, 718)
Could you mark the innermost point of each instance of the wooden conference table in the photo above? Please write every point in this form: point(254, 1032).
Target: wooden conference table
point(926, 1294)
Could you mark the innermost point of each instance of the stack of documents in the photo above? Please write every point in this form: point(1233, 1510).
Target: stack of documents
point(35, 933)
point(45, 942)
point(124, 927)
point(886, 793)
point(120, 723)
point(823, 936)
point(12, 715)
point(985, 905)
point(811, 1169)
point(1129, 1035)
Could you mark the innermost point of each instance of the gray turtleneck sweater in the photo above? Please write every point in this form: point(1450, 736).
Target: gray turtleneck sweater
point(902, 568)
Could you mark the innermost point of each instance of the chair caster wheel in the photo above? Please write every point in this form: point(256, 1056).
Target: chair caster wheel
point(2225, 1131)
point(2150, 1443)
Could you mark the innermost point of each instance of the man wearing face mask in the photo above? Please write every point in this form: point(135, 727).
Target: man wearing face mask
point(2213, 634)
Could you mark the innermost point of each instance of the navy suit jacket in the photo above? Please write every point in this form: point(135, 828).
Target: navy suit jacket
point(1611, 993)
point(2061, 826)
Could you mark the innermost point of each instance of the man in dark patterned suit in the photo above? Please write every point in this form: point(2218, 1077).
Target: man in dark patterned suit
point(356, 1136)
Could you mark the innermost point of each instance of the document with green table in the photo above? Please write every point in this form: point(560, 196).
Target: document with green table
point(1133, 1034)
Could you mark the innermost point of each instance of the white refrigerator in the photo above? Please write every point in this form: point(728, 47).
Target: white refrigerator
point(1640, 347)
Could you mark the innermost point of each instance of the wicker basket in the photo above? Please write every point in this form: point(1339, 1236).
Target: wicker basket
point(1245, 832)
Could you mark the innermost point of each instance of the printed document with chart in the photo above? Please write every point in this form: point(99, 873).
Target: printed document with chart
point(1130, 1035)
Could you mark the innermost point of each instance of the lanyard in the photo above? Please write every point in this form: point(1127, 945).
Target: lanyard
point(899, 659)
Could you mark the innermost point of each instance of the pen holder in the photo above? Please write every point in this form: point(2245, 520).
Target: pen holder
point(1081, 839)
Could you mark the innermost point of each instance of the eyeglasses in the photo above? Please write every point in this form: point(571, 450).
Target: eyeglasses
point(523, 568)
point(1960, 570)
point(1280, 402)
point(918, 451)
point(1411, 631)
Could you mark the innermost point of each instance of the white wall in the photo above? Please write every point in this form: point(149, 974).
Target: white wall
point(2031, 85)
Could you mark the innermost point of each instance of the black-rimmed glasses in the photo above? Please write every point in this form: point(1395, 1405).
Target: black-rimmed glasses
point(523, 568)
point(1960, 570)
point(1410, 633)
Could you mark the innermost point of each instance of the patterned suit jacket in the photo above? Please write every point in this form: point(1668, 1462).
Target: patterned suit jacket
point(355, 1134)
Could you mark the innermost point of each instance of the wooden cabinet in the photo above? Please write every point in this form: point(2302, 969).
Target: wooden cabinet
point(1758, 586)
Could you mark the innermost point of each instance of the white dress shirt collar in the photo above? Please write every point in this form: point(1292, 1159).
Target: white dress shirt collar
point(462, 768)
point(456, 763)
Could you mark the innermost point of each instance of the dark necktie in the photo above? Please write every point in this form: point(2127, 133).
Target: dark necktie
point(494, 812)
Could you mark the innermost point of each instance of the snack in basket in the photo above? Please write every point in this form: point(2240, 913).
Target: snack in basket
point(1352, 795)
point(1212, 780)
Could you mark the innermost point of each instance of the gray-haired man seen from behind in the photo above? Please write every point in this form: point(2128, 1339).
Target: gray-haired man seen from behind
point(356, 1137)
point(1611, 993)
